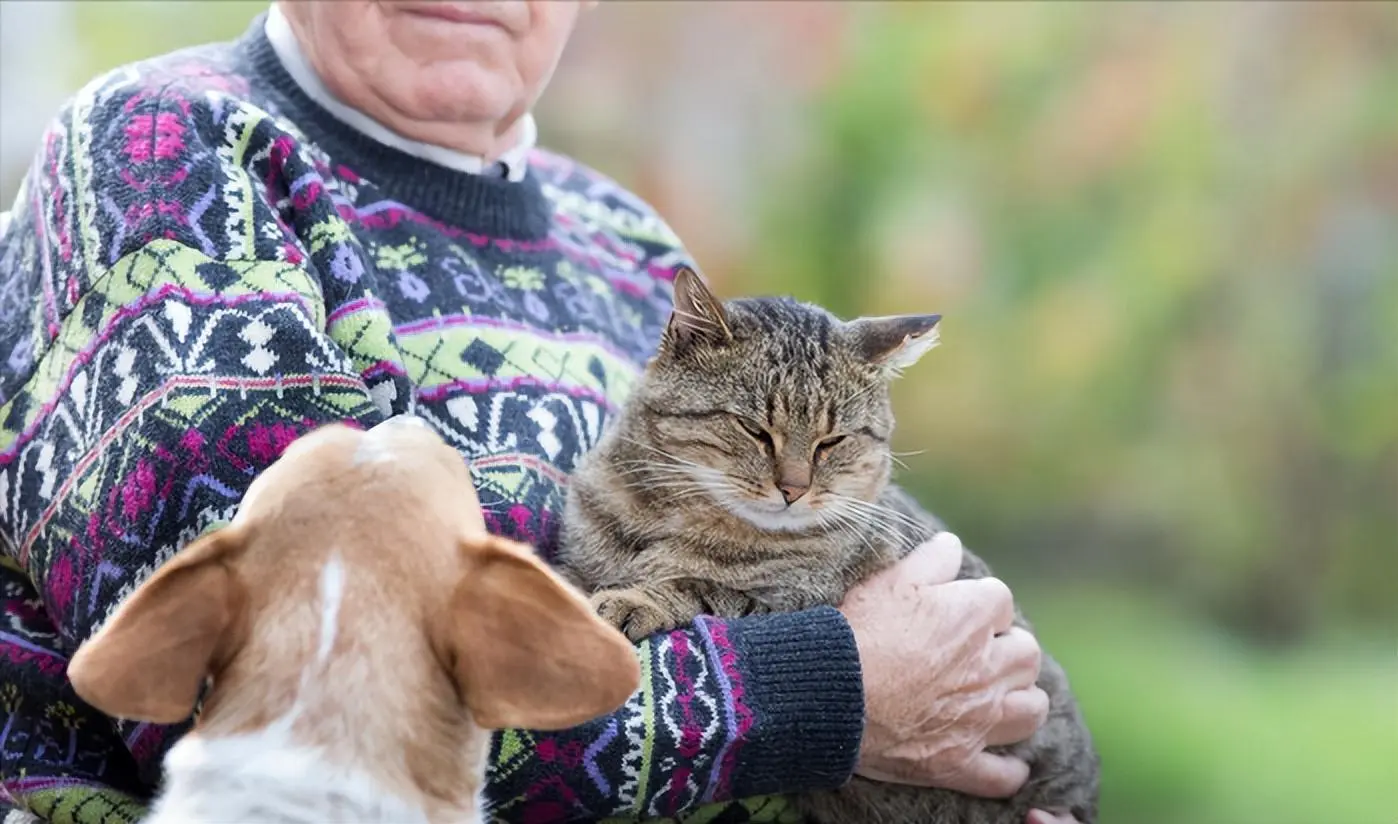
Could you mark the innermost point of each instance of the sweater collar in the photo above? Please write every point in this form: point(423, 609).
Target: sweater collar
point(488, 204)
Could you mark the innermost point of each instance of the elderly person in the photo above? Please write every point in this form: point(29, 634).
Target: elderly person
point(342, 216)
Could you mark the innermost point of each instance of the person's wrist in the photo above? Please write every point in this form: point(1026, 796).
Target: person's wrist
point(802, 683)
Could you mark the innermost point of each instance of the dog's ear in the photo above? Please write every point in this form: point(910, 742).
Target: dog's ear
point(150, 659)
point(525, 648)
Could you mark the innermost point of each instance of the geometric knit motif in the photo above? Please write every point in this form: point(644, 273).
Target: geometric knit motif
point(188, 281)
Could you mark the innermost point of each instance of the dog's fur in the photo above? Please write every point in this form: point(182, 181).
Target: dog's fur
point(360, 634)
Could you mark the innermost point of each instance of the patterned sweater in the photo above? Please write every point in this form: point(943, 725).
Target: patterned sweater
point(203, 264)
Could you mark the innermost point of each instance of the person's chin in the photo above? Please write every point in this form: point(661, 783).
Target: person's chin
point(459, 93)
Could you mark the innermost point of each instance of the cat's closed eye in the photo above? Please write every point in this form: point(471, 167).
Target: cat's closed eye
point(823, 448)
point(757, 432)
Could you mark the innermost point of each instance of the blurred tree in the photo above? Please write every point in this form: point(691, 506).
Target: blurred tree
point(1167, 339)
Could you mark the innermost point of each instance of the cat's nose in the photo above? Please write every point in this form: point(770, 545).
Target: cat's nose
point(791, 493)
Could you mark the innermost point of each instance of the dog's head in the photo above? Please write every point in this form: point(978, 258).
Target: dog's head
point(358, 578)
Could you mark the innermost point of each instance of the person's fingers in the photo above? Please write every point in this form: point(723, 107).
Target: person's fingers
point(935, 562)
point(1024, 711)
point(1017, 656)
point(996, 595)
point(989, 776)
point(1041, 817)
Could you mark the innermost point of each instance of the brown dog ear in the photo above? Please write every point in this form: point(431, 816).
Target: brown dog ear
point(525, 648)
point(149, 660)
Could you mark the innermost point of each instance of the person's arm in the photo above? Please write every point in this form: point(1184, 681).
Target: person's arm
point(727, 710)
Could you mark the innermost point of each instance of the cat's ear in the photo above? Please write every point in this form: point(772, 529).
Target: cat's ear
point(698, 316)
point(895, 342)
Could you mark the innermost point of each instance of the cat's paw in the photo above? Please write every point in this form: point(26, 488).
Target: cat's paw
point(636, 615)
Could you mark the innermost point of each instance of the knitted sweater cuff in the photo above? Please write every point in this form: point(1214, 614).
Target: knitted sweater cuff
point(803, 678)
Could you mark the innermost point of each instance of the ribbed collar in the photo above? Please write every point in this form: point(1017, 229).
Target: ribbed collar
point(490, 205)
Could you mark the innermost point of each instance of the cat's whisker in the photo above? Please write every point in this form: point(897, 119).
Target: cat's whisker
point(827, 521)
point(851, 527)
point(880, 511)
point(830, 517)
point(657, 469)
point(872, 538)
point(674, 480)
point(657, 450)
point(671, 484)
point(676, 492)
point(642, 481)
point(869, 520)
point(860, 523)
point(854, 505)
point(641, 462)
point(651, 467)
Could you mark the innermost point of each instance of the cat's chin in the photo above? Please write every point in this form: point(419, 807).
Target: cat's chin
point(773, 519)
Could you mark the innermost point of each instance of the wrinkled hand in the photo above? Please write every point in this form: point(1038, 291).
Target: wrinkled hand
point(945, 675)
point(1041, 817)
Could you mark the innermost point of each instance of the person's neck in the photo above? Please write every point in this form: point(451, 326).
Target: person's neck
point(478, 140)
point(480, 150)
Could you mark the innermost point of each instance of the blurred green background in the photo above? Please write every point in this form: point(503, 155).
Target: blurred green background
point(1164, 237)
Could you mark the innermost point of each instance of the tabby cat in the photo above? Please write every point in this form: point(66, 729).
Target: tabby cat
point(748, 473)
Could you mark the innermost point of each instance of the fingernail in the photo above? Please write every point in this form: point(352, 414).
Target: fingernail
point(1039, 817)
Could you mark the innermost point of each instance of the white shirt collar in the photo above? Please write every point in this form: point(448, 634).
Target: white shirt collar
point(515, 161)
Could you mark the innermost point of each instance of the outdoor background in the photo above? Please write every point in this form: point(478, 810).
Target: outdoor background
point(1164, 238)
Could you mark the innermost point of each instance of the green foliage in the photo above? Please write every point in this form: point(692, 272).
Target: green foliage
point(1164, 245)
point(1198, 729)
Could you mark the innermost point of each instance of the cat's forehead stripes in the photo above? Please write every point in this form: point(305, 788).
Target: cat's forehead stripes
point(803, 339)
point(800, 337)
point(785, 320)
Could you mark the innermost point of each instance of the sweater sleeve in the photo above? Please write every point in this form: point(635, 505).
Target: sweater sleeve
point(727, 710)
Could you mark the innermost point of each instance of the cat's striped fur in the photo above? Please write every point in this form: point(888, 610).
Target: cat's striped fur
point(748, 473)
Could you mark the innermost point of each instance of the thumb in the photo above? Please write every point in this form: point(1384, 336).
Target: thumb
point(935, 562)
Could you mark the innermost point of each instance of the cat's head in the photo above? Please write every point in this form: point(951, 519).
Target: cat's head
point(775, 410)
